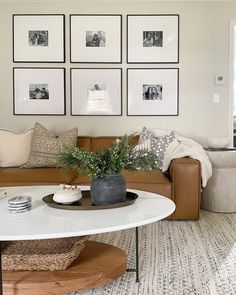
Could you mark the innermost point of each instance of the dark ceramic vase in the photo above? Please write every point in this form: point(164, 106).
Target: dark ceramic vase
point(108, 189)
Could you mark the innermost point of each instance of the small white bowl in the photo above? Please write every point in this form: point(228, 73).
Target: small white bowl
point(220, 142)
point(67, 196)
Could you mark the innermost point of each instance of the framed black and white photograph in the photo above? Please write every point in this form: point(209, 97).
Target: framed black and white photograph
point(153, 92)
point(96, 92)
point(95, 38)
point(153, 38)
point(39, 38)
point(39, 91)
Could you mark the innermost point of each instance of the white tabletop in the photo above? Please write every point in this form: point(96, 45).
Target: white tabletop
point(44, 222)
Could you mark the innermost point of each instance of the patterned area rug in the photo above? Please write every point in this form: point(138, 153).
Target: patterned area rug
point(178, 258)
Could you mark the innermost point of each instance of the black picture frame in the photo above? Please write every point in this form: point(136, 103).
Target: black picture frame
point(163, 52)
point(101, 56)
point(75, 108)
point(23, 87)
point(147, 107)
point(26, 51)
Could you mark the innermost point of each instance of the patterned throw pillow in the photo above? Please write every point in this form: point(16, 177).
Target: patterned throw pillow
point(157, 144)
point(144, 135)
point(47, 148)
point(144, 145)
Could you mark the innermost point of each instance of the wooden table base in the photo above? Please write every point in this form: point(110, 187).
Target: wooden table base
point(98, 264)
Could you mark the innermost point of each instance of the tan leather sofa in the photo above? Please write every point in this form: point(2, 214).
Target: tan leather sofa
point(182, 184)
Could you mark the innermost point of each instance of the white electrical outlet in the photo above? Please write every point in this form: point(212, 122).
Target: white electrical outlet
point(216, 98)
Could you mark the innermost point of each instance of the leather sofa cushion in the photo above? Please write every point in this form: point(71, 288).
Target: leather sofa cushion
point(152, 177)
point(84, 142)
point(37, 176)
point(99, 143)
point(157, 188)
point(151, 181)
point(141, 176)
point(81, 179)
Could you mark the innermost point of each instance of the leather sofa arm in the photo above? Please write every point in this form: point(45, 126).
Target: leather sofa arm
point(185, 175)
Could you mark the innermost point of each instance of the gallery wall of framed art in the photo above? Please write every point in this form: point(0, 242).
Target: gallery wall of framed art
point(38, 38)
point(39, 91)
point(96, 39)
point(96, 92)
point(153, 92)
point(153, 38)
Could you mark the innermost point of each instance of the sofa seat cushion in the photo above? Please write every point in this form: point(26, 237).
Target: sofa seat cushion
point(30, 176)
point(151, 181)
point(156, 188)
point(153, 176)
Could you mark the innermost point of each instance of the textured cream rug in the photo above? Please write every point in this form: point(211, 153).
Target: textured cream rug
point(178, 258)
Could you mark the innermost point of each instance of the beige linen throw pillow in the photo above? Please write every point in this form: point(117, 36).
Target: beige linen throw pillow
point(47, 148)
point(15, 148)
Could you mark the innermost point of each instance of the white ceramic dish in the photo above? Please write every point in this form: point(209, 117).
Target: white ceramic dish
point(67, 195)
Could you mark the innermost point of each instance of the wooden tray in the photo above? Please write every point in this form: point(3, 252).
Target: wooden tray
point(85, 202)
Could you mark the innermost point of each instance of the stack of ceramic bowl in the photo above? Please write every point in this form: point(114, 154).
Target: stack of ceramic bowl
point(19, 204)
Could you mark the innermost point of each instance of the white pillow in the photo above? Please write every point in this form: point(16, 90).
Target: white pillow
point(15, 148)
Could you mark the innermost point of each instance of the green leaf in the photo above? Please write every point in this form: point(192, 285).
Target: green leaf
point(112, 160)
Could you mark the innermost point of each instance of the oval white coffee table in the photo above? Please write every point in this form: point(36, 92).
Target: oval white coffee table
point(44, 222)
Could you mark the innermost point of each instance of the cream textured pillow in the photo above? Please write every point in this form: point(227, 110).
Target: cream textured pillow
point(14, 148)
point(47, 148)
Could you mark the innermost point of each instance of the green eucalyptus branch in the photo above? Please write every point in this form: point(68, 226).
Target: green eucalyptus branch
point(112, 160)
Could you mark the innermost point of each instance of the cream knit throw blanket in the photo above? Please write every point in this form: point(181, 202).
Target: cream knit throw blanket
point(179, 148)
point(186, 147)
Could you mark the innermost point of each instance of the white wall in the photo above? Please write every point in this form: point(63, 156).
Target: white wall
point(234, 67)
point(204, 31)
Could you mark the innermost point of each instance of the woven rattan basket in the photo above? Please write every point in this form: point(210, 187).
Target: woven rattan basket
point(52, 254)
